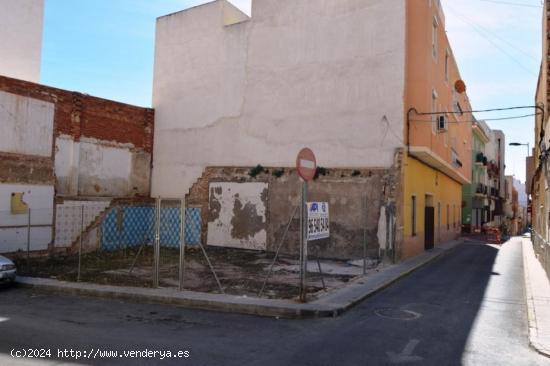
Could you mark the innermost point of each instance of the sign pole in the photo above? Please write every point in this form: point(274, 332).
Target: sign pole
point(303, 245)
point(306, 166)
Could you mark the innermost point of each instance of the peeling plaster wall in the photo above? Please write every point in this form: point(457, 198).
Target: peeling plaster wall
point(362, 205)
point(13, 228)
point(237, 215)
point(356, 208)
point(102, 147)
point(324, 74)
point(26, 125)
point(21, 38)
point(96, 168)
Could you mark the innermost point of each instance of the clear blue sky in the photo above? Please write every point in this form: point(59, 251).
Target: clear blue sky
point(105, 48)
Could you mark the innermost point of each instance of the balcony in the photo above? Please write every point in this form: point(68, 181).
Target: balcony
point(493, 169)
point(481, 159)
point(481, 190)
point(428, 157)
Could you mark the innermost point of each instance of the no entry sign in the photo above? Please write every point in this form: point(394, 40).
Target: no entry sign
point(306, 164)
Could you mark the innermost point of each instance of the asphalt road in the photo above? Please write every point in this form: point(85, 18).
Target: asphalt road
point(467, 308)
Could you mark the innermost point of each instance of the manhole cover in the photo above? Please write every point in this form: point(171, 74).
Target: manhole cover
point(398, 314)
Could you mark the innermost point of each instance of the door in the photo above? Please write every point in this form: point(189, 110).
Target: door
point(429, 218)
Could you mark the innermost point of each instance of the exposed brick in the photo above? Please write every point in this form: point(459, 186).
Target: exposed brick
point(16, 168)
point(80, 115)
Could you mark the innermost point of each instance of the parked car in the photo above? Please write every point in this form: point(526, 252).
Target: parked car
point(8, 271)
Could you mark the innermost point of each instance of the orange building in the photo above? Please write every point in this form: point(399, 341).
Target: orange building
point(438, 132)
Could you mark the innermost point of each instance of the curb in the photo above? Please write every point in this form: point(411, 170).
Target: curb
point(331, 305)
point(531, 314)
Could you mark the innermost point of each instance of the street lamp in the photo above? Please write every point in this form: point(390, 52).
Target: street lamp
point(518, 144)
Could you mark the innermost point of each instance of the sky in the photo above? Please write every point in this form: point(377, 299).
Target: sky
point(106, 48)
point(497, 45)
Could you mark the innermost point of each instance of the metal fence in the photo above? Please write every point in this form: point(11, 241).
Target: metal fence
point(542, 250)
point(24, 230)
point(157, 243)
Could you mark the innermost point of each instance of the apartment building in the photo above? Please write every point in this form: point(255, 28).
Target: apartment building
point(475, 210)
point(370, 86)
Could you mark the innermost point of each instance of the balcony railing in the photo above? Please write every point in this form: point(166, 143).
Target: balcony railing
point(481, 158)
point(482, 189)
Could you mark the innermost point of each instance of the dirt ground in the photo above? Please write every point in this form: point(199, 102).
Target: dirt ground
point(240, 272)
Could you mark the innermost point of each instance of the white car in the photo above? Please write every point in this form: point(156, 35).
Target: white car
point(7, 270)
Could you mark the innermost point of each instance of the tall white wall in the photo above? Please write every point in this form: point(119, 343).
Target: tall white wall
point(324, 74)
point(21, 24)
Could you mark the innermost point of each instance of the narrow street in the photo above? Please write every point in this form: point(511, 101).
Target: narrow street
point(467, 308)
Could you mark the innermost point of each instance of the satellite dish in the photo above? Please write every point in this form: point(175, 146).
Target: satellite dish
point(460, 86)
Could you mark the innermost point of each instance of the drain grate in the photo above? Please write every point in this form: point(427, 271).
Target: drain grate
point(399, 314)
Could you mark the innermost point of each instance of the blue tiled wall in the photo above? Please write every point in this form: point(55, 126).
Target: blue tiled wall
point(135, 226)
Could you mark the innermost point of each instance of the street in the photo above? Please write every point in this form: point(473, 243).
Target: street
point(467, 308)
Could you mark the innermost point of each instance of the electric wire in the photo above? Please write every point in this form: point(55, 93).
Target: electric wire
point(512, 4)
point(475, 28)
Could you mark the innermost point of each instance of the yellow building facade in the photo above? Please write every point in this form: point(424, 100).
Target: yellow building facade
point(428, 189)
point(438, 133)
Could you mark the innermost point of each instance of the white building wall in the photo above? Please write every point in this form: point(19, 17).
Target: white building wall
point(26, 128)
point(21, 24)
point(13, 227)
point(26, 125)
point(324, 74)
point(91, 167)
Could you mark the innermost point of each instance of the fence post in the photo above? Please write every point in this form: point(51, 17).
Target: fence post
point(303, 245)
point(156, 269)
point(28, 237)
point(80, 242)
point(365, 236)
point(182, 244)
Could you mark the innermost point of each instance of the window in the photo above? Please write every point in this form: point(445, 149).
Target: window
point(447, 65)
point(413, 215)
point(435, 27)
point(434, 109)
point(454, 217)
point(439, 221)
point(448, 214)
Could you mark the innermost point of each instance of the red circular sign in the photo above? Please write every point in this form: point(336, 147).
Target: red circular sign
point(306, 164)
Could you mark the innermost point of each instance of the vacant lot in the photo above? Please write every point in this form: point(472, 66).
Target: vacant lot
point(240, 272)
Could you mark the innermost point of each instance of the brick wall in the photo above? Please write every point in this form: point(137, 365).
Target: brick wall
point(355, 196)
point(80, 115)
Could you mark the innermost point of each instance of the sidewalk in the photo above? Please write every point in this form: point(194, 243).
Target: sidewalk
point(329, 305)
point(537, 291)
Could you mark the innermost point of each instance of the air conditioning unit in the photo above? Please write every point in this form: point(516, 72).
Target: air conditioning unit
point(442, 123)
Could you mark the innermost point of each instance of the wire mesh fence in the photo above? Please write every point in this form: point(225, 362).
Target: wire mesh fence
point(158, 243)
point(25, 232)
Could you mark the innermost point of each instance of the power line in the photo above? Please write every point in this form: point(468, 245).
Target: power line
point(475, 24)
point(513, 4)
point(482, 119)
point(475, 28)
point(479, 110)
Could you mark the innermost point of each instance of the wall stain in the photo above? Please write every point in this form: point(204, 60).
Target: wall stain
point(245, 222)
point(214, 206)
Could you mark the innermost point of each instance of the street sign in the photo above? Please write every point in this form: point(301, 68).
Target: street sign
point(318, 224)
point(306, 164)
